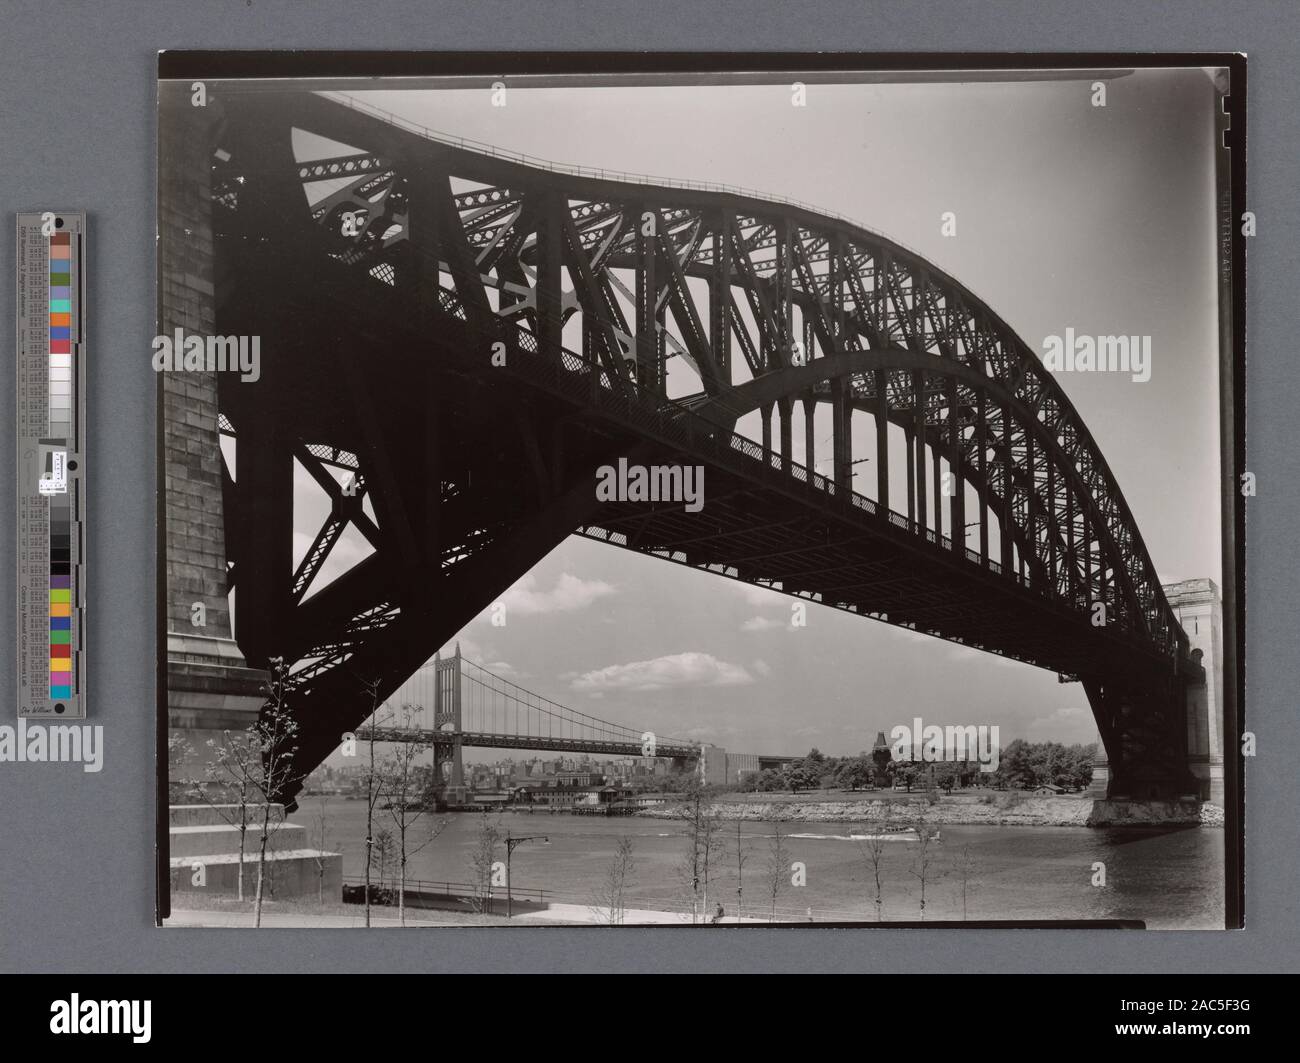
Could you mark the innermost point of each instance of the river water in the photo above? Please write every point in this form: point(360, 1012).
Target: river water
point(1170, 878)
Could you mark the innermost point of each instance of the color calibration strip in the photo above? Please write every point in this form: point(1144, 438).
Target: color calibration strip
point(51, 416)
point(60, 428)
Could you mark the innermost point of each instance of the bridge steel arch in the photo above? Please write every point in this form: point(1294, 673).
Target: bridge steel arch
point(466, 337)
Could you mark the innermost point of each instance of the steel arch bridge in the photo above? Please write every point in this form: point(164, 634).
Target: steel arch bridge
point(454, 341)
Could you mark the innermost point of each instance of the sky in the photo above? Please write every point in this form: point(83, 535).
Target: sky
point(1100, 219)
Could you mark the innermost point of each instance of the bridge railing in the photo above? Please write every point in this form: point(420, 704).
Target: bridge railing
point(441, 888)
point(758, 910)
point(597, 173)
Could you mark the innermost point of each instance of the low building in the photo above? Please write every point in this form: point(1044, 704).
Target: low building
point(563, 797)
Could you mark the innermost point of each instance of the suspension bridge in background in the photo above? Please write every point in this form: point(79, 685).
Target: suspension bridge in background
point(453, 702)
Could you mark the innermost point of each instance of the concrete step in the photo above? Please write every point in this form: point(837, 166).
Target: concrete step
point(198, 815)
point(293, 873)
point(216, 838)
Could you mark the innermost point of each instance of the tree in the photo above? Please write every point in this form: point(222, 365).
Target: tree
point(385, 850)
point(925, 867)
point(855, 773)
point(798, 775)
point(743, 852)
point(777, 870)
point(321, 841)
point(610, 906)
point(482, 858)
point(1024, 765)
point(931, 786)
point(180, 753)
point(966, 865)
point(906, 772)
point(704, 842)
point(374, 787)
point(874, 854)
point(766, 781)
point(1046, 762)
point(234, 763)
point(1078, 766)
point(276, 737)
point(402, 785)
point(1015, 767)
point(260, 763)
point(947, 774)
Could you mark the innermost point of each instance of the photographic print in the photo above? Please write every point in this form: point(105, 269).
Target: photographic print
point(714, 497)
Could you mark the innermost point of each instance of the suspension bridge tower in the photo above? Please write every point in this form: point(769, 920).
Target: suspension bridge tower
point(448, 723)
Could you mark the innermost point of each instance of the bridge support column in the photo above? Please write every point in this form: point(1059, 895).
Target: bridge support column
point(911, 473)
point(882, 438)
point(841, 440)
point(549, 289)
point(649, 365)
point(785, 410)
point(918, 433)
point(957, 500)
point(809, 436)
point(720, 295)
point(1006, 518)
point(938, 489)
point(1143, 730)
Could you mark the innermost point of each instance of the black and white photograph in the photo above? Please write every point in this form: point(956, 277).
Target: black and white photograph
point(700, 498)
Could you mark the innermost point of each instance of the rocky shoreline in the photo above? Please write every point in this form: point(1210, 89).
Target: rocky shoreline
point(1003, 810)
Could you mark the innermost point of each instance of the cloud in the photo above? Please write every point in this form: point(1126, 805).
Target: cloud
point(705, 734)
point(762, 667)
point(662, 673)
point(1068, 725)
point(761, 623)
point(570, 592)
point(756, 595)
point(504, 669)
point(475, 651)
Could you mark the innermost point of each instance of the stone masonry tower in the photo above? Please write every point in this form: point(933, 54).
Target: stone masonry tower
point(210, 688)
point(1200, 611)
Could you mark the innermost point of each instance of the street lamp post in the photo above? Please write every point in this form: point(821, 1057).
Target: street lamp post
point(510, 848)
